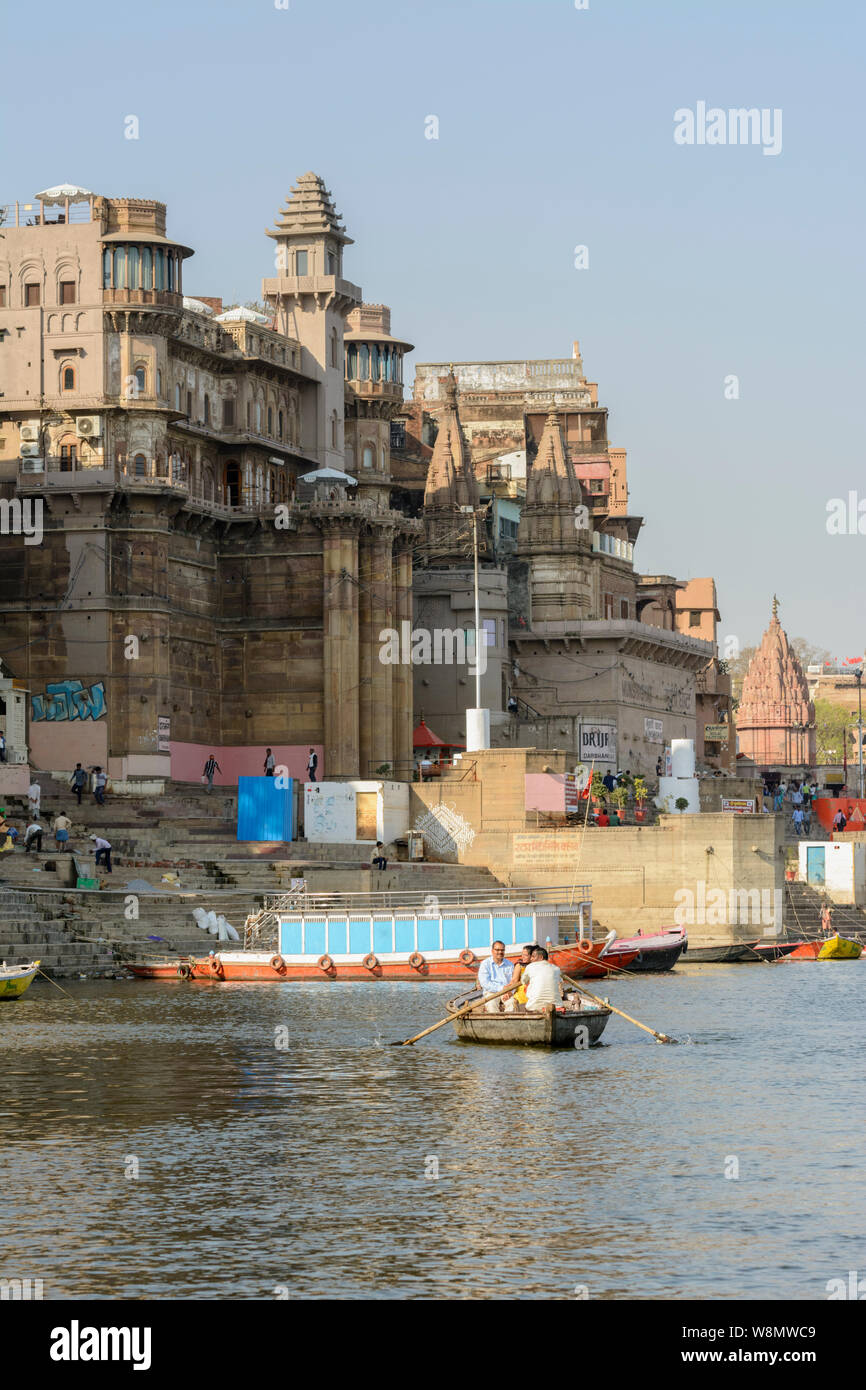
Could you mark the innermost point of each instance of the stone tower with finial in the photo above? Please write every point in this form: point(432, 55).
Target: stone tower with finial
point(555, 535)
point(451, 485)
point(776, 718)
point(311, 301)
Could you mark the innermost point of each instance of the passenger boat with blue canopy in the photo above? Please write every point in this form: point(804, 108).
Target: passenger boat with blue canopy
point(385, 936)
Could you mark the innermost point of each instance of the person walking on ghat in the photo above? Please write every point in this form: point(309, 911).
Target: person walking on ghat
point(79, 781)
point(103, 851)
point(210, 767)
point(270, 761)
point(797, 819)
point(99, 781)
point(827, 920)
point(312, 764)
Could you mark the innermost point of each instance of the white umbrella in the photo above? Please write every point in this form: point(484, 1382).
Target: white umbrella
point(327, 475)
point(61, 191)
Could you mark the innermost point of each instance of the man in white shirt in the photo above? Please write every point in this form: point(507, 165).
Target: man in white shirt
point(542, 982)
point(33, 837)
point(103, 851)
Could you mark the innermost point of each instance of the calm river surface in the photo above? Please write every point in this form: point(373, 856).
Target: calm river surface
point(310, 1166)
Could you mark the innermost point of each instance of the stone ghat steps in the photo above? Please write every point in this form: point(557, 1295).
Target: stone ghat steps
point(802, 911)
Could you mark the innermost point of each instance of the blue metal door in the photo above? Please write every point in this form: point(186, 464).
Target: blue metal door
point(815, 864)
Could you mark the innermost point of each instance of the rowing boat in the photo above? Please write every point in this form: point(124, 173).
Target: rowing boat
point(655, 951)
point(15, 979)
point(840, 948)
point(555, 1027)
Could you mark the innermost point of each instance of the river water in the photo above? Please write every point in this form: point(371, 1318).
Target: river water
point(261, 1141)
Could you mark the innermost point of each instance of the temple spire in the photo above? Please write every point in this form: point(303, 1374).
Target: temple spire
point(451, 482)
point(776, 718)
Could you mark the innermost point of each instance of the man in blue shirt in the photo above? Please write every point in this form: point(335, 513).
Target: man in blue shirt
point(496, 972)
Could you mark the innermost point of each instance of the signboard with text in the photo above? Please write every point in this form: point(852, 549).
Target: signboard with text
point(741, 806)
point(598, 744)
point(653, 730)
point(163, 734)
point(716, 733)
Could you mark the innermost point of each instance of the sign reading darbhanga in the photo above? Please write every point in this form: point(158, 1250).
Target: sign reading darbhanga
point(163, 734)
point(739, 805)
point(598, 744)
point(716, 733)
point(653, 730)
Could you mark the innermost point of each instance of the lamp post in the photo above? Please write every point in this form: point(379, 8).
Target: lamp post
point(478, 719)
point(858, 676)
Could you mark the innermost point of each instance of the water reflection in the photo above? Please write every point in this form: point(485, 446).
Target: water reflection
point(307, 1165)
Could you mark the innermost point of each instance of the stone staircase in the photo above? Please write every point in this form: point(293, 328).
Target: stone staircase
point(29, 931)
point(802, 913)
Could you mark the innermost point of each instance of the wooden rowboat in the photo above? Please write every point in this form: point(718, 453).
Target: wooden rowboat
point(15, 979)
point(840, 948)
point(578, 1028)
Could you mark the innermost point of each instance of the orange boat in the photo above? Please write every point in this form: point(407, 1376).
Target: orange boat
point(807, 950)
point(365, 937)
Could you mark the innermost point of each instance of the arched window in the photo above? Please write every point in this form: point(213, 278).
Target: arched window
point(384, 464)
point(280, 425)
point(208, 484)
point(207, 409)
point(260, 483)
point(139, 466)
point(120, 268)
point(140, 380)
point(232, 484)
point(270, 485)
point(368, 456)
point(363, 363)
point(375, 358)
point(106, 268)
point(159, 383)
point(270, 420)
point(189, 404)
point(177, 404)
point(132, 268)
point(248, 483)
point(258, 417)
point(159, 269)
point(249, 416)
point(146, 268)
point(170, 264)
point(67, 380)
point(68, 453)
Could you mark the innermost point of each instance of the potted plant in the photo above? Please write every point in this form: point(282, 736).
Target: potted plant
point(619, 797)
point(682, 804)
point(641, 793)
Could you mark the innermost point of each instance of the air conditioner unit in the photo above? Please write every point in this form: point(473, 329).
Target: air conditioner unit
point(30, 451)
point(33, 465)
point(30, 432)
point(88, 426)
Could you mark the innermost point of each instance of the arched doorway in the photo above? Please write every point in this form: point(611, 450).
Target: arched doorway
point(232, 483)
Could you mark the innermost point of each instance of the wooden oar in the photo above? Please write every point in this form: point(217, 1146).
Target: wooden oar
point(467, 1009)
point(56, 985)
point(659, 1037)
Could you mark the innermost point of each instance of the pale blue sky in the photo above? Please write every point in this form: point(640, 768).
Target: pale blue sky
point(556, 129)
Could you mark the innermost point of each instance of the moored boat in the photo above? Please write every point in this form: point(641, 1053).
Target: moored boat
point(806, 950)
point(15, 979)
point(840, 948)
point(653, 951)
point(774, 950)
point(418, 937)
point(725, 953)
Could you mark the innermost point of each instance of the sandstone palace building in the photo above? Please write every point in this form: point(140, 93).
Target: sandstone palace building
point(191, 593)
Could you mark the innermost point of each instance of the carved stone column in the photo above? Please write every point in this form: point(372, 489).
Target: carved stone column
point(376, 612)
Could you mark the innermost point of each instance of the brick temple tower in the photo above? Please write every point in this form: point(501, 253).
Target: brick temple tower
point(451, 484)
point(776, 718)
point(550, 538)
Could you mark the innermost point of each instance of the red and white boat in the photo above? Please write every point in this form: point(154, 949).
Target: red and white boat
point(649, 951)
point(367, 937)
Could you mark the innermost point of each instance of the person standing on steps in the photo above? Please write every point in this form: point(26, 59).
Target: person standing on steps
point(312, 764)
point(210, 767)
point(270, 762)
point(79, 781)
point(62, 827)
point(99, 781)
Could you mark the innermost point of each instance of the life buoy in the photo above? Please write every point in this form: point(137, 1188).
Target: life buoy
point(417, 961)
point(467, 957)
point(277, 963)
point(215, 966)
point(370, 962)
point(184, 972)
point(585, 946)
point(325, 963)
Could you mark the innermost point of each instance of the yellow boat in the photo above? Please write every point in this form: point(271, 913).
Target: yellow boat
point(840, 948)
point(14, 979)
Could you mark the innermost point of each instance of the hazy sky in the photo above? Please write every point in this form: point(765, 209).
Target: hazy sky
point(556, 129)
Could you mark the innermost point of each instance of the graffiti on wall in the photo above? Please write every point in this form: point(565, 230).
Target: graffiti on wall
point(68, 700)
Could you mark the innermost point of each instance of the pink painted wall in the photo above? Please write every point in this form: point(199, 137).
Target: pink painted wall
point(188, 759)
point(545, 791)
point(60, 745)
point(14, 779)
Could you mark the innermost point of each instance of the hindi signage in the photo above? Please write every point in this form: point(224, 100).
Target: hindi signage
point(716, 733)
point(163, 734)
point(653, 730)
point(741, 806)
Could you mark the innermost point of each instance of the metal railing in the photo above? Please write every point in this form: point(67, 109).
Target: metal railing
point(571, 896)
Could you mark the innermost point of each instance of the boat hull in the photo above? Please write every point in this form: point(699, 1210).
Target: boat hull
point(557, 1028)
point(730, 954)
point(263, 966)
point(654, 953)
point(840, 948)
point(14, 983)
